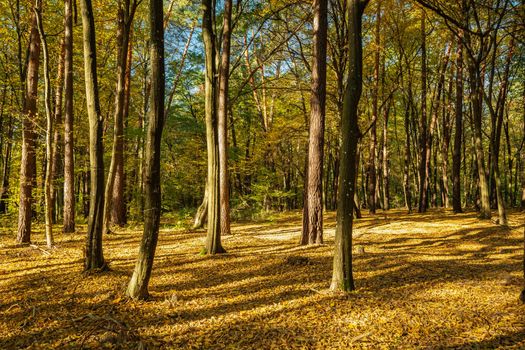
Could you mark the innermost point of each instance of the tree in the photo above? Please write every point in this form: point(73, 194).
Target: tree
point(114, 204)
point(138, 285)
point(213, 239)
point(48, 184)
point(222, 120)
point(313, 223)
point(93, 255)
point(28, 161)
point(69, 162)
point(423, 128)
point(458, 136)
point(342, 277)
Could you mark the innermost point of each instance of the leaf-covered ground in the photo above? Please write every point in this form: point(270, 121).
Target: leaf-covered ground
point(433, 281)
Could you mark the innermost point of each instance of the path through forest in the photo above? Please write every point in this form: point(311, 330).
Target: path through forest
point(436, 280)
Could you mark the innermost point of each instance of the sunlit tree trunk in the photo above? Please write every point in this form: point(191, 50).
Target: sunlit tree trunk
point(126, 13)
point(28, 160)
point(94, 258)
point(342, 277)
point(48, 181)
point(222, 120)
point(69, 163)
point(213, 239)
point(312, 231)
point(138, 285)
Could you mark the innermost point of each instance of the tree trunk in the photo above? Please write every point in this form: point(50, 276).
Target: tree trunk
point(371, 169)
point(119, 198)
point(4, 189)
point(94, 258)
point(386, 170)
point(456, 157)
point(48, 181)
point(69, 162)
point(222, 117)
point(200, 215)
point(138, 285)
point(213, 239)
point(342, 277)
point(125, 17)
point(313, 225)
point(476, 93)
point(423, 142)
point(28, 160)
point(57, 121)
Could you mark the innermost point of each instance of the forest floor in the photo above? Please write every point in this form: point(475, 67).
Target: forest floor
point(432, 281)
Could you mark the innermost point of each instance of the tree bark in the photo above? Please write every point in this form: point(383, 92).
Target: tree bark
point(313, 225)
point(371, 169)
point(222, 117)
point(200, 215)
point(126, 12)
point(213, 239)
point(69, 162)
point(94, 259)
point(28, 160)
point(423, 161)
point(138, 285)
point(48, 181)
point(342, 276)
point(456, 157)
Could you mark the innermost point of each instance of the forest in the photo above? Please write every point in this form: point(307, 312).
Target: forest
point(251, 174)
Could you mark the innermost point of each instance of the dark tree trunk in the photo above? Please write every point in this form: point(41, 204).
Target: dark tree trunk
point(138, 285)
point(6, 167)
point(423, 142)
point(313, 222)
point(28, 160)
point(456, 157)
point(342, 276)
point(94, 259)
point(371, 170)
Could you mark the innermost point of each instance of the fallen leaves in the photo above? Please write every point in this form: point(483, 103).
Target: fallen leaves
point(433, 281)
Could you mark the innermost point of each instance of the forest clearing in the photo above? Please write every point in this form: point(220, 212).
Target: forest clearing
point(262, 174)
point(431, 281)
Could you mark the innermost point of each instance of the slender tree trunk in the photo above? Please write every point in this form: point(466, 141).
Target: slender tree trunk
point(342, 276)
point(125, 17)
point(372, 176)
point(4, 189)
point(313, 225)
point(48, 182)
point(386, 170)
point(456, 157)
point(94, 258)
point(138, 285)
point(423, 142)
point(476, 94)
point(69, 163)
point(213, 239)
point(222, 116)
point(119, 199)
point(57, 121)
point(28, 160)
